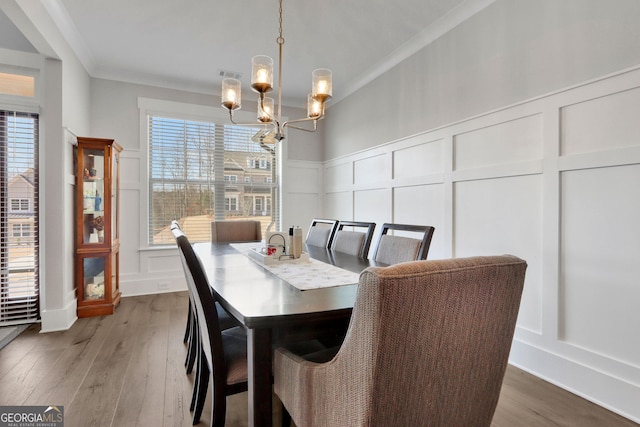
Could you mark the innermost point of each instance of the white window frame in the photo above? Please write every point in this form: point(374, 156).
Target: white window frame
point(180, 110)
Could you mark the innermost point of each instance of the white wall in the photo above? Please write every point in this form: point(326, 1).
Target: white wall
point(517, 132)
point(553, 181)
point(63, 103)
point(511, 51)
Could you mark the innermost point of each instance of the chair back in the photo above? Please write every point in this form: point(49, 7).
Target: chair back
point(236, 231)
point(427, 344)
point(207, 315)
point(394, 249)
point(321, 232)
point(352, 241)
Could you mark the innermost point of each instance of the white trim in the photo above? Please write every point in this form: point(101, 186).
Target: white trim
point(59, 320)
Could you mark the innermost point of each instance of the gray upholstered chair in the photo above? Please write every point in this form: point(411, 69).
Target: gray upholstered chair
point(392, 249)
point(321, 232)
point(355, 240)
point(236, 231)
point(428, 344)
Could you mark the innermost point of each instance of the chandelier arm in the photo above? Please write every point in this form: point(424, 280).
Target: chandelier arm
point(275, 121)
point(289, 124)
point(253, 124)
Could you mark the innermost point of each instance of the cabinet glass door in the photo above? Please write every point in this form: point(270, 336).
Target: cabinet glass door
point(94, 274)
point(93, 192)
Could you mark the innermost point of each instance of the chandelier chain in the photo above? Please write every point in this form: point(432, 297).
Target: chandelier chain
point(280, 39)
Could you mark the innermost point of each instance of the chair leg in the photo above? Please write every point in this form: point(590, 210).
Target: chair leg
point(203, 385)
point(218, 409)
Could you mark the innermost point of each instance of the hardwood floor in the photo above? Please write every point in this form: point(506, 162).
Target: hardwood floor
point(128, 370)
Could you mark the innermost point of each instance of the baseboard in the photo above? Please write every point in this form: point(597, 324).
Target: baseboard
point(59, 320)
point(133, 287)
point(615, 394)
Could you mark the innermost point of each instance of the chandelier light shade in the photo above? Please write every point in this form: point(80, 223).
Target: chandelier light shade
point(314, 107)
point(262, 83)
point(231, 94)
point(321, 86)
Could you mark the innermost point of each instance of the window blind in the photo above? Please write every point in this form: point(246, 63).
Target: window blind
point(204, 171)
point(19, 242)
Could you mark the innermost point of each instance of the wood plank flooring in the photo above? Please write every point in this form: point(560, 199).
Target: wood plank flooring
point(128, 370)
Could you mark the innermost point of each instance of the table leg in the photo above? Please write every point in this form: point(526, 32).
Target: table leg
point(259, 372)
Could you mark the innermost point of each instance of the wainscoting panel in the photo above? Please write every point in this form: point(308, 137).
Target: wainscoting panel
point(129, 169)
point(338, 176)
point(600, 268)
point(301, 209)
point(552, 180)
point(418, 160)
point(603, 123)
point(372, 206)
point(504, 216)
point(371, 170)
point(513, 141)
point(422, 204)
point(339, 205)
point(302, 186)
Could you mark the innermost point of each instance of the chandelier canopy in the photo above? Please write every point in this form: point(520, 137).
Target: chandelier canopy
point(262, 83)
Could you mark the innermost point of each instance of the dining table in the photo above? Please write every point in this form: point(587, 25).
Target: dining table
point(273, 311)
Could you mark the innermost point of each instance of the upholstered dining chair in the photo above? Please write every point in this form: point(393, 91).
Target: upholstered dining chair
point(392, 249)
point(223, 354)
point(321, 232)
point(236, 231)
point(427, 344)
point(191, 334)
point(352, 241)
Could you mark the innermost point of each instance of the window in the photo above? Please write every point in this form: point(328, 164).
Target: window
point(198, 169)
point(21, 230)
point(231, 203)
point(19, 243)
point(19, 205)
point(17, 85)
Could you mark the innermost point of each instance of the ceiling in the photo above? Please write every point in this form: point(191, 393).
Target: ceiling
point(185, 44)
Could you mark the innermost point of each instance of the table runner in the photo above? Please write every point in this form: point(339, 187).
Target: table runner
point(304, 275)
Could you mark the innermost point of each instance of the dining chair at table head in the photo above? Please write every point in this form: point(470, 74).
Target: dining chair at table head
point(392, 249)
point(427, 344)
point(354, 240)
point(236, 231)
point(321, 232)
point(223, 354)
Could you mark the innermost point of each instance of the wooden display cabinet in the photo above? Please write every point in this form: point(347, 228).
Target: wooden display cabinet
point(97, 226)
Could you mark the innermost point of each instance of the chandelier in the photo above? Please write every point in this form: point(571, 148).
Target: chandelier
point(262, 83)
